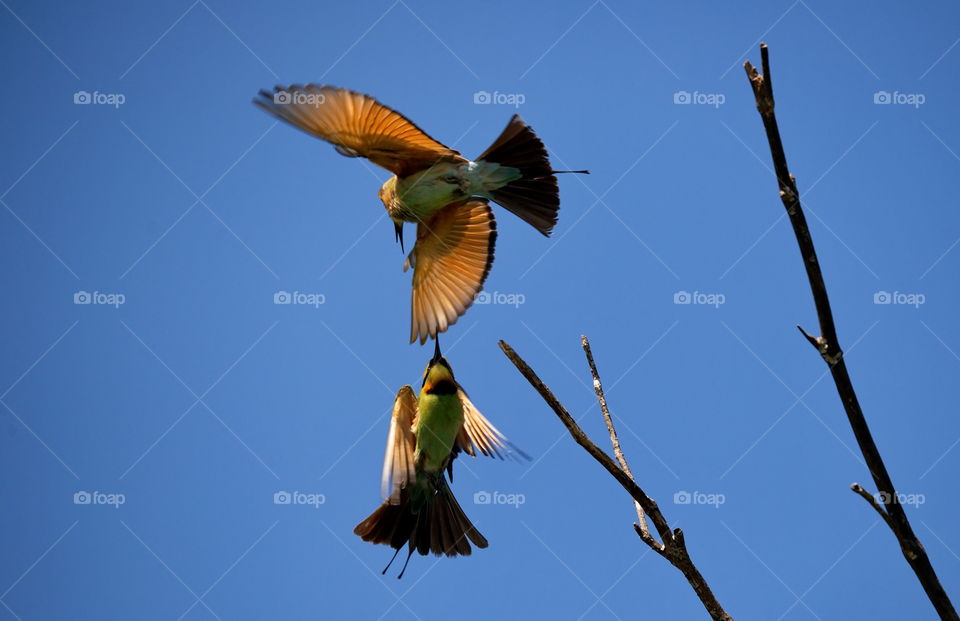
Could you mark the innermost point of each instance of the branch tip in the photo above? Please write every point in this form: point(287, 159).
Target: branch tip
point(611, 430)
point(872, 500)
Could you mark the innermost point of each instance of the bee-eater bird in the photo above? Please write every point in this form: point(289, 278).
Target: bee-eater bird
point(426, 435)
point(444, 193)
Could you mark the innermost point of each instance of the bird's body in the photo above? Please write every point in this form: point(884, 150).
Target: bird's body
point(444, 193)
point(439, 420)
point(426, 435)
point(417, 197)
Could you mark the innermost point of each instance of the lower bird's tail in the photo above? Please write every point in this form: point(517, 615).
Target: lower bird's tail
point(534, 197)
point(427, 519)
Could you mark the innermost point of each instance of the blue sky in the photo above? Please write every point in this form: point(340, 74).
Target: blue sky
point(183, 391)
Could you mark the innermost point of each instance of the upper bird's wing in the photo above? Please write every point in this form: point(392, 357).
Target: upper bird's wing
point(358, 126)
point(398, 465)
point(451, 259)
point(479, 435)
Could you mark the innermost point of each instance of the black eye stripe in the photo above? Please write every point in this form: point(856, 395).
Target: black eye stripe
point(443, 387)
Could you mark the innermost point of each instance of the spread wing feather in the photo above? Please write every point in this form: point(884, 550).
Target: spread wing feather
point(398, 463)
point(478, 435)
point(357, 125)
point(451, 260)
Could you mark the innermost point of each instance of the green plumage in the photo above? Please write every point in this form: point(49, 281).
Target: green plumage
point(417, 197)
point(439, 419)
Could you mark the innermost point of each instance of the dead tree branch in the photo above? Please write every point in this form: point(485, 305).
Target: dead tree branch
point(829, 347)
point(674, 547)
point(614, 440)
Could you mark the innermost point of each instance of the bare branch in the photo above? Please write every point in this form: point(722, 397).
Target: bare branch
point(856, 487)
point(829, 347)
point(674, 546)
point(614, 440)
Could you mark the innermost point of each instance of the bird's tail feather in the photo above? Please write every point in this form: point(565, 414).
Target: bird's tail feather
point(428, 518)
point(535, 197)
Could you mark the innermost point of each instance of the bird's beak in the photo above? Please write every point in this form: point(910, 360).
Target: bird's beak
point(398, 229)
point(436, 351)
point(437, 357)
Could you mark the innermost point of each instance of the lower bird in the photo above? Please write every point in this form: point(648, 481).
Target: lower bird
point(446, 194)
point(426, 435)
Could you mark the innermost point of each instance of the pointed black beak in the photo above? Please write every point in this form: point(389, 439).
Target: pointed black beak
point(398, 229)
point(436, 351)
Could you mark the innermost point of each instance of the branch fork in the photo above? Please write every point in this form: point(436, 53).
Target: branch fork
point(674, 545)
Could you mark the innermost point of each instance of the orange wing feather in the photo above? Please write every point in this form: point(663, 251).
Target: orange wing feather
point(358, 125)
point(451, 259)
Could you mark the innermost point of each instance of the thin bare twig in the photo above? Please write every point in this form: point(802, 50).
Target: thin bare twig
point(614, 440)
point(674, 546)
point(856, 487)
point(829, 347)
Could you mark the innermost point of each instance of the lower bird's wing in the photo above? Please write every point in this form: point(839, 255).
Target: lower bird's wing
point(358, 126)
point(398, 465)
point(451, 259)
point(478, 435)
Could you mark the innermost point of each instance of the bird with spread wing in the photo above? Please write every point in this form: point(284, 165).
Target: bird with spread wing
point(446, 194)
point(426, 435)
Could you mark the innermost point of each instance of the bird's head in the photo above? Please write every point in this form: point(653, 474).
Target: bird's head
point(388, 193)
point(438, 370)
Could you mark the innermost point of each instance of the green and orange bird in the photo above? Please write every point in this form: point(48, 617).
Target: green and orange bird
point(426, 435)
point(444, 193)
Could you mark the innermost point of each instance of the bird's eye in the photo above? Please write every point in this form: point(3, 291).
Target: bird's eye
point(451, 178)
